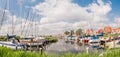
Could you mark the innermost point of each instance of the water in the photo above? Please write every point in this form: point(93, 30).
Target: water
point(61, 47)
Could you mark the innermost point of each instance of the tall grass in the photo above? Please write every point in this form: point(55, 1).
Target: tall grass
point(7, 52)
point(112, 53)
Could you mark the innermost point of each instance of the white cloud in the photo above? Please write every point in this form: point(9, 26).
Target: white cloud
point(10, 20)
point(60, 10)
point(61, 15)
point(33, 0)
point(117, 19)
point(56, 11)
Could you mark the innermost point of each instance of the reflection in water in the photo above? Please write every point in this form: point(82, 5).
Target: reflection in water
point(61, 47)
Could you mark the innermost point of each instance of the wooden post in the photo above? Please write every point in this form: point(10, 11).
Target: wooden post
point(41, 51)
point(38, 47)
point(30, 47)
point(114, 41)
point(87, 50)
point(25, 47)
point(16, 47)
point(2, 45)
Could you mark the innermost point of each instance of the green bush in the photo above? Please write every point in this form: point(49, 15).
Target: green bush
point(52, 39)
point(3, 38)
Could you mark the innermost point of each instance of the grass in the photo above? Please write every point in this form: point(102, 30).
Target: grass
point(7, 52)
point(112, 53)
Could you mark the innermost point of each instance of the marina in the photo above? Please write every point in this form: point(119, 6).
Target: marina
point(59, 28)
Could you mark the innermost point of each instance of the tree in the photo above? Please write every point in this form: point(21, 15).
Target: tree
point(66, 32)
point(79, 32)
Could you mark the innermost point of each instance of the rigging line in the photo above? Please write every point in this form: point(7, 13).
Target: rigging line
point(38, 24)
point(7, 7)
point(35, 25)
point(27, 27)
point(27, 31)
point(3, 16)
point(31, 25)
point(25, 23)
point(21, 2)
point(13, 24)
point(36, 28)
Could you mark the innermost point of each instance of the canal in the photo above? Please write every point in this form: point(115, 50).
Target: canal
point(62, 47)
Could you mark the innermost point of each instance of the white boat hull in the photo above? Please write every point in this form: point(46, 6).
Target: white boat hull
point(11, 45)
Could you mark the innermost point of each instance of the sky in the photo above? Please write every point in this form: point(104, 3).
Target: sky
point(57, 16)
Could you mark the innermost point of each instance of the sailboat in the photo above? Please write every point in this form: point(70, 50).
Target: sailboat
point(11, 41)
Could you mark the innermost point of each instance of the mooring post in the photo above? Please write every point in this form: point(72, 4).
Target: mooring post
point(87, 50)
point(25, 47)
point(38, 47)
point(30, 47)
point(41, 51)
point(2, 45)
point(16, 47)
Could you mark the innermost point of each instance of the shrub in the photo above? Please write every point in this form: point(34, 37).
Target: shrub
point(3, 38)
point(52, 39)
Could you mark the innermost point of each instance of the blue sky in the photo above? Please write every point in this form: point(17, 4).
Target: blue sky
point(14, 6)
point(61, 15)
point(115, 6)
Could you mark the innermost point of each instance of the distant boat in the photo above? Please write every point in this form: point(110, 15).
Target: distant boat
point(94, 43)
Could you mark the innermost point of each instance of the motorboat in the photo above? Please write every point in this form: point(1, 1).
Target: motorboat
point(11, 45)
point(94, 43)
point(113, 44)
point(29, 42)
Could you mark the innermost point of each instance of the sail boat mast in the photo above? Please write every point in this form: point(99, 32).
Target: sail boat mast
point(8, 2)
point(12, 32)
point(20, 4)
point(7, 16)
point(3, 17)
point(25, 23)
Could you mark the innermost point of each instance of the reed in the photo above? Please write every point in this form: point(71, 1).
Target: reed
point(7, 52)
